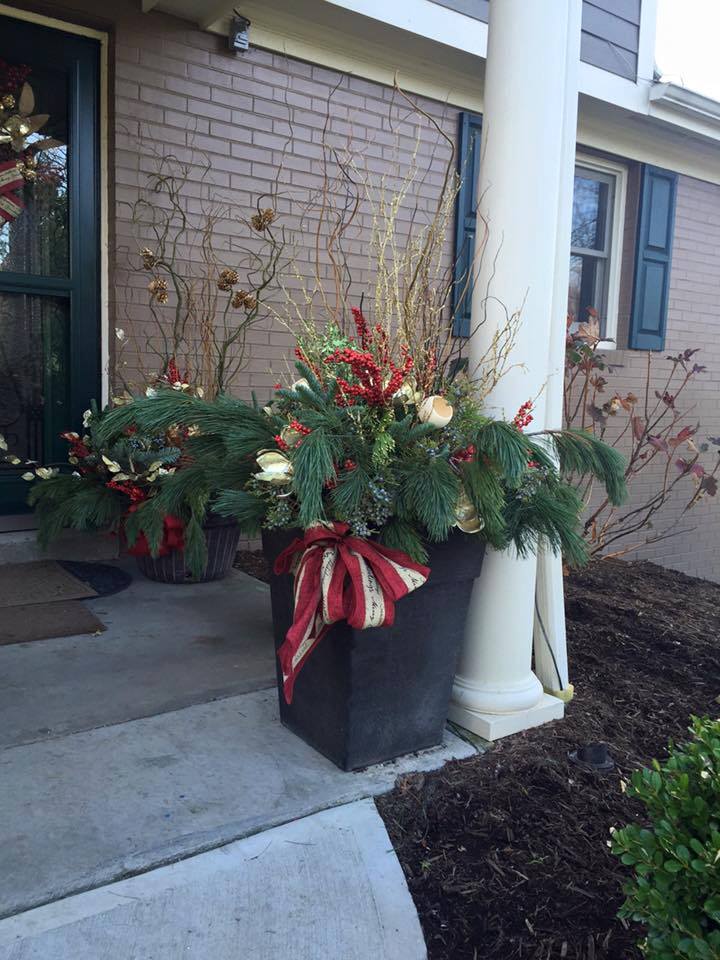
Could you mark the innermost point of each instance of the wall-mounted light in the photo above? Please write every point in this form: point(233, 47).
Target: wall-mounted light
point(239, 39)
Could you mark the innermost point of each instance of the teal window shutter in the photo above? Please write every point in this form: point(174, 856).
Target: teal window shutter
point(465, 219)
point(653, 257)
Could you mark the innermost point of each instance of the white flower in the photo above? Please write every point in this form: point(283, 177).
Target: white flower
point(87, 417)
point(199, 392)
point(3, 443)
point(13, 460)
point(120, 333)
point(45, 473)
point(28, 476)
point(150, 392)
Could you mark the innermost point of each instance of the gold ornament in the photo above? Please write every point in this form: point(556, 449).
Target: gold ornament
point(158, 290)
point(408, 392)
point(466, 516)
point(262, 219)
point(16, 128)
point(227, 279)
point(148, 258)
point(242, 298)
point(275, 468)
point(435, 410)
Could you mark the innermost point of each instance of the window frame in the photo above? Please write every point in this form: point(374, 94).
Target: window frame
point(615, 238)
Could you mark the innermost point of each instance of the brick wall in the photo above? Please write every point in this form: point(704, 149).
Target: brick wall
point(176, 87)
point(693, 321)
point(258, 118)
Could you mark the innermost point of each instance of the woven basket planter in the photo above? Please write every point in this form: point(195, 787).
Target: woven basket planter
point(221, 536)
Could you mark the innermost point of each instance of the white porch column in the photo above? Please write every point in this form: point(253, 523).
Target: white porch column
point(524, 165)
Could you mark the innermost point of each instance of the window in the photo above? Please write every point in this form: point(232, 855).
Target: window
point(596, 243)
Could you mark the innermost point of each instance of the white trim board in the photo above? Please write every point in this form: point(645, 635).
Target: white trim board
point(620, 172)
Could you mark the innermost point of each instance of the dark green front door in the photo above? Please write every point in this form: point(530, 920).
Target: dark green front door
point(49, 243)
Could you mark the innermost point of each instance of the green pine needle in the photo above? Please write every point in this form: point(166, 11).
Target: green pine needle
point(580, 453)
point(399, 535)
point(245, 507)
point(430, 493)
point(486, 492)
point(504, 446)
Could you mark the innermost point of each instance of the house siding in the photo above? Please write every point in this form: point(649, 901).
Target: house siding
point(610, 31)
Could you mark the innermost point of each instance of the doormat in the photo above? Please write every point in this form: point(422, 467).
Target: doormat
point(41, 621)
point(41, 581)
point(104, 578)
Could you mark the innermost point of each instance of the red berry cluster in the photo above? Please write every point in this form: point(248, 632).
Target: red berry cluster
point(370, 377)
point(136, 494)
point(524, 417)
point(172, 373)
point(361, 325)
point(375, 341)
point(465, 454)
point(13, 77)
point(349, 464)
point(299, 427)
point(77, 447)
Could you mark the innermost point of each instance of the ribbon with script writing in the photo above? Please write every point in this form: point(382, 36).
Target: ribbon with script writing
point(11, 180)
point(340, 577)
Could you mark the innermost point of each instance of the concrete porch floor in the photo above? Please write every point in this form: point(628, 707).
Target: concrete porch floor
point(156, 742)
point(166, 646)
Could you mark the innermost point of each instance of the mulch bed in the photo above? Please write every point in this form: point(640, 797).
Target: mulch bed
point(506, 854)
point(254, 563)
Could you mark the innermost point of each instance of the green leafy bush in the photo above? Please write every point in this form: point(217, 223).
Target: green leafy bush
point(675, 891)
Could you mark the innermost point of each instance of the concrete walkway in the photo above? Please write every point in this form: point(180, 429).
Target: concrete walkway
point(154, 752)
point(91, 808)
point(328, 887)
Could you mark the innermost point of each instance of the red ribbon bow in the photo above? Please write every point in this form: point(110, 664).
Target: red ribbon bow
point(11, 182)
point(172, 539)
point(340, 577)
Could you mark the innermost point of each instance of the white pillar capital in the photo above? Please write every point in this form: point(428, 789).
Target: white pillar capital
point(526, 158)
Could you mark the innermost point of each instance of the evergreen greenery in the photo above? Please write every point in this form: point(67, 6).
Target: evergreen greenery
point(378, 468)
point(351, 441)
point(675, 889)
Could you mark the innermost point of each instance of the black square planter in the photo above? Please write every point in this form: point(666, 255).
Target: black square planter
point(365, 696)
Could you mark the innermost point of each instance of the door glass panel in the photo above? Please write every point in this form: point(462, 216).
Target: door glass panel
point(33, 169)
point(34, 381)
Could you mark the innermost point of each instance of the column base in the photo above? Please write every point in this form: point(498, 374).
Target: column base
point(493, 726)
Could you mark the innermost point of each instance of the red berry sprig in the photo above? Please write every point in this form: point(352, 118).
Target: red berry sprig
point(524, 417)
point(465, 454)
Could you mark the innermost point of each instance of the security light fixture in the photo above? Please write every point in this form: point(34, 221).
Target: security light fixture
point(238, 39)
